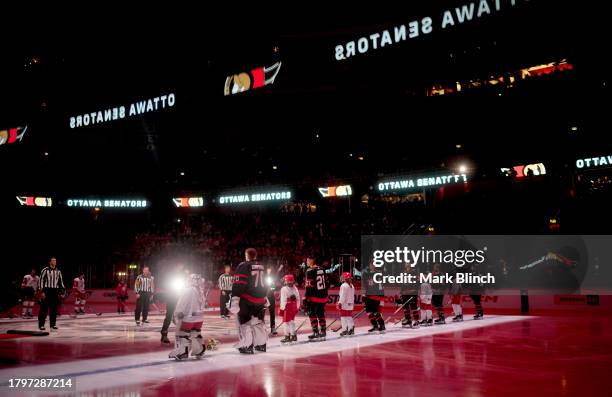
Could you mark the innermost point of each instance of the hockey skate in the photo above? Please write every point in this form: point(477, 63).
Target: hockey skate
point(430, 322)
point(351, 331)
point(423, 323)
point(164, 338)
point(314, 336)
point(381, 328)
point(261, 348)
point(440, 320)
point(406, 322)
point(322, 335)
point(287, 339)
point(294, 338)
point(374, 328)
point(458, 318)
point(181, 349)
point(246, 350)
point(478, 316)
point(344, 333)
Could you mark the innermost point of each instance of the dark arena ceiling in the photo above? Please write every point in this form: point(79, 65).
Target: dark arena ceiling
point(321, 119)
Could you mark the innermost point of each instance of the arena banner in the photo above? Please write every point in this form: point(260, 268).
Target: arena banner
point(107, 296)
point(509, 300)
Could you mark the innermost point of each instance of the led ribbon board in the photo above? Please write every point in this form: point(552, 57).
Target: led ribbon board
point(121, 112)
point(256, 78)
point(336, 191)
point(421, 182)
point(12, 135)
point(526, 170)
point(594, 162)
point(445, 20)
point(188, 202)
point(255, 197)
point(106, 203)
point(31, 201)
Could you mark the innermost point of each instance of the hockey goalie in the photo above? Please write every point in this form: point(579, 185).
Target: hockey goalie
point(188, 318)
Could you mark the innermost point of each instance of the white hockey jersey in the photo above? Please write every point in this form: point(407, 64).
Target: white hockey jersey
point(29, 281)
point(425, 293)
point(79, 284)
point(191, 304)
point(347, 296)
point(286, 292)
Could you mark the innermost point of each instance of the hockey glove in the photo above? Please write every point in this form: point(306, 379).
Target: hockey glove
point(234, 305)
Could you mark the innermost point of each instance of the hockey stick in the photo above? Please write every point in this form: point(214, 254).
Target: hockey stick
point(87, 307)
point(330, 324)
point(156, 308)
point(550, 256)
point(354, 318)
point(301, 325)
point(277, 327)
point(398, 309)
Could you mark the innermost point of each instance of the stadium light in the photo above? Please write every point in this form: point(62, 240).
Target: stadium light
point(177, 284)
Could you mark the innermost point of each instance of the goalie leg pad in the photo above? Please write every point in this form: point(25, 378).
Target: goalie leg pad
point(197, 347)
point(245, 334)
point(181, 346)
point(260, 336)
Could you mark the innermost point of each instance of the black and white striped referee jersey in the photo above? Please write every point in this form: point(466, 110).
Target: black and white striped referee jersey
point(144, 284)
point(51, 278)
point(225, 282)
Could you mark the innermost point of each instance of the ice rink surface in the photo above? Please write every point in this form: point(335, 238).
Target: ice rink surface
point(498, 356)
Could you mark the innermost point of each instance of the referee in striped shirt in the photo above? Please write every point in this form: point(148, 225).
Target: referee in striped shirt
point(50, 286)
point(225, 286)
point(144, 288)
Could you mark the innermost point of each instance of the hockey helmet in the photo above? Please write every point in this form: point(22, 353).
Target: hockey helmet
point(346, 275)
point(289, 279)
point(195, 280)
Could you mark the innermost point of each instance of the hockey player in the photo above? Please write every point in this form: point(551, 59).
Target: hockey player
point(289, 303)
point(476, 291)
point(455, 294)
point(345, 305)
point(188, 317)
point(122, 296)
point(437, 298)
point(28, 291)
point(425, 294)
point(316, 298)
point(248, 302)
point(410, 294)
point(373, 299)
point(80, 295)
